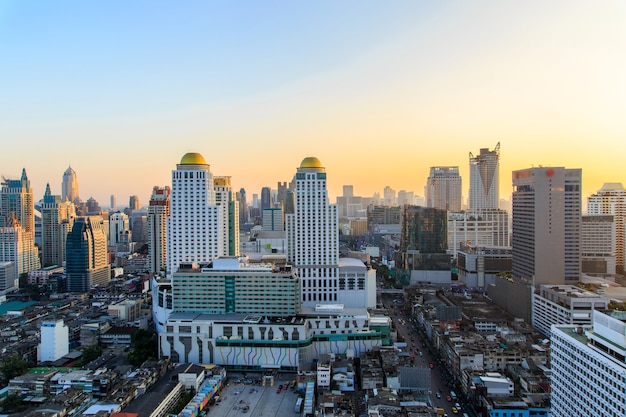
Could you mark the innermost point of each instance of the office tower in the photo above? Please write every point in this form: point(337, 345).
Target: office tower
point(424, 229)
point(55, 341)
point(597, 244)
point(348, 191)
point(389, 195)
point(16, 200)
point(158, 212)
point(18, 246)
point(443, 188)
point(139, 226)
point(133, 203)
point(546, 225)
point(312, 235)
point(118, 229)
point(244, 215)
point(87, 262)
point(55, 213)
point(93, 207)
point(290, 202)
point(281, 193)
point(484, 186)
point(228, 216)
point(588, 369)
point(193, 227)
point(273, 219)
point(266, 198)
point(113, 203)
point(69, 186)
point(611, 199)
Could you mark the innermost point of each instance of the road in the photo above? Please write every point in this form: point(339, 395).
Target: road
point(409, 332)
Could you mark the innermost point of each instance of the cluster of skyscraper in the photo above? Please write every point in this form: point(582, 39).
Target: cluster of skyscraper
point(293, 297)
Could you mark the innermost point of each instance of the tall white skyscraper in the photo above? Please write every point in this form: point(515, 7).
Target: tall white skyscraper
point(158, 212)
point(118, 229)
point(55, 340)
point(228, 205)
point(69, 186)
point(313, 236)
point(484, 179)
point(193, 228)
point(611, 199)
point(443, 188)
point(546, 225)
point(588, 369)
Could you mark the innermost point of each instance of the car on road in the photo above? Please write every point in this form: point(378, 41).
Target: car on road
point(431, 366)
point(438, 395)
point(455, 410)
point(448, 398)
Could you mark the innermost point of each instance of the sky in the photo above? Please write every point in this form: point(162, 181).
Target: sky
point(378, 91)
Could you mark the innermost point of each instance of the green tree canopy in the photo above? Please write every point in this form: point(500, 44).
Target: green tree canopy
point(12, 366)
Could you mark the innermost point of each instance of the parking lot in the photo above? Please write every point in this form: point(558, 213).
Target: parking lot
point(254, 399)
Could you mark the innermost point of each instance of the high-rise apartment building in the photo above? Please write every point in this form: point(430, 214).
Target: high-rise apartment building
point(546, 225)
point(313, 235)
point(611, 199)
point(56, 213)
point(158, 212)
point(484, 185)
point(443, 188)
point(228, 215)
point(588, 368)
point(87, 263)
point(69, 186)
point(193, 228)
point(16, 200)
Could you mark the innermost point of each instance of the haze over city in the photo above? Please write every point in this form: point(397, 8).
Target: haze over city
point(378, 91)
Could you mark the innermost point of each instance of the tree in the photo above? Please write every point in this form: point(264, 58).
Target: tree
point(12, 403)
point(12, 366)
point(91, 353)
point(144, 345)
point(23, 280)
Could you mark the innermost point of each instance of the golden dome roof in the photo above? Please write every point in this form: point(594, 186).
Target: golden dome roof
point(193, 158)
point(311, 162)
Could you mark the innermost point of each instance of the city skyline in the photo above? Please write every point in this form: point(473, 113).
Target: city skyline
point(378, 92)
